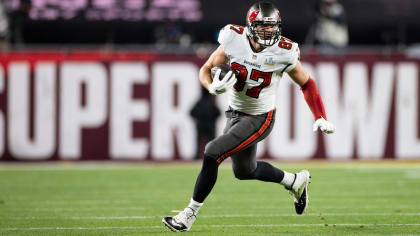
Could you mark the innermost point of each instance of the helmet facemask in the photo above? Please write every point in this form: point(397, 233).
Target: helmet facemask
point(265, 33)
point(263, 21)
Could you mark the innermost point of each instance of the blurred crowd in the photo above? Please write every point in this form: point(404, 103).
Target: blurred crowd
point(329, 29)
point(330, 26)
point(4, 26)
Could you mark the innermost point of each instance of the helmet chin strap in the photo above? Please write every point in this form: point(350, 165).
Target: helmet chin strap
point(265, 42)
point(260, 42)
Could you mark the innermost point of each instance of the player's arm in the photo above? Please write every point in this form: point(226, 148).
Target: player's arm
point(312, 98)
point(217, 57)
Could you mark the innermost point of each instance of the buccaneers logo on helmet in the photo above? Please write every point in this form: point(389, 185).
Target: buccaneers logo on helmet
point(252, 16)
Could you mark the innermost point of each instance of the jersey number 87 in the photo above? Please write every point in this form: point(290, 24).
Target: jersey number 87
point(242, 73)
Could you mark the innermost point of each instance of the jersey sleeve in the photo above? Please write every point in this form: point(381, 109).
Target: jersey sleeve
point(225, 36)
point(293, 57)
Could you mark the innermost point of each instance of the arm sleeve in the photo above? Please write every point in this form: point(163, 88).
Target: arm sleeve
point(313, 99)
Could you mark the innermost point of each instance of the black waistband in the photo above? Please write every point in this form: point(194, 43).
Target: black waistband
point(232, 111)
point(235, 113)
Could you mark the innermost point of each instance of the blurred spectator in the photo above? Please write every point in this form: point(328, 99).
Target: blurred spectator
point(205, 113)
point(4, 27)
point(330, 27)
point(170, 36)
point(169, 32)
point(204, 49)
point(17, 19)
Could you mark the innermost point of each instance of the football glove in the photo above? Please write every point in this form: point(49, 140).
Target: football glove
point(324, 125)
point(220, 86)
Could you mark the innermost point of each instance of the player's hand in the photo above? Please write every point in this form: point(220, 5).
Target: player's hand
point(324, 125)
point(220, 86)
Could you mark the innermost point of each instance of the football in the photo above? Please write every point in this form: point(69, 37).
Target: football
point(225, 68)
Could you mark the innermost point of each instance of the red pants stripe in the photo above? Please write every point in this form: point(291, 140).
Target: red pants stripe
point(249, 140)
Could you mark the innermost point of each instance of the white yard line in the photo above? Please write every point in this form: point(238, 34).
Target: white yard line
point(78, 228)
point(318, 207)
point(412, 174)
point(208, 216)
point(72, 201)
point(311, 215)
point(75, 203)
point(74, 209)
point(118, 209)
point(205, 226)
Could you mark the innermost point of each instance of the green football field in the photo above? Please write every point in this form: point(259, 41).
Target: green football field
point(353, 198)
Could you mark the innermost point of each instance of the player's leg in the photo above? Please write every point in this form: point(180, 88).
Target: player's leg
point(240, 133)
point(245, 167)
point(244, 162)
point(204, 183)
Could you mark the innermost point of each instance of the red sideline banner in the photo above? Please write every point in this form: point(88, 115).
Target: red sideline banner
point(135, 106)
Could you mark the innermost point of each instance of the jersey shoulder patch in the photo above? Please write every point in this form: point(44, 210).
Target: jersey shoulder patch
point(229, 32)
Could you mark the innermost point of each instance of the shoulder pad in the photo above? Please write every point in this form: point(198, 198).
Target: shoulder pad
point(228, 32)
point(290, 52)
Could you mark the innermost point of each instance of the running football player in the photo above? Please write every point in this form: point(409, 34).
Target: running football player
point(260, 55)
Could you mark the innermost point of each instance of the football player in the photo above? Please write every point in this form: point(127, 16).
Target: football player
point(260, 55)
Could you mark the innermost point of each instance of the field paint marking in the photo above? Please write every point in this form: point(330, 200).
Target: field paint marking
point(317, 207)
point(81, 218)
point(79, 228)
point(208, 216)
point(72, 209)
point(309, 225)
point(66, 201)
point(312, 214)
point(203, 226)
point(75, 203)
point(412, 174)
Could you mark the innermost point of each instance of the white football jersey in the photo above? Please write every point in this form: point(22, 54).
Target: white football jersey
point(259, 73)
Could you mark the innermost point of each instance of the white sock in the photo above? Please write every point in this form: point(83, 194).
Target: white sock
point(288, 179)
point(195, 206)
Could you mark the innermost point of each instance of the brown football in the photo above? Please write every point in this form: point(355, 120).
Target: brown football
point(225, 68)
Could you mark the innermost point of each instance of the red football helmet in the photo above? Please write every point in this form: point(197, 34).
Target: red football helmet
point(265, 15)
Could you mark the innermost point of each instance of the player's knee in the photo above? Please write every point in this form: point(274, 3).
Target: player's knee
point(211, 150)
point(242, 175)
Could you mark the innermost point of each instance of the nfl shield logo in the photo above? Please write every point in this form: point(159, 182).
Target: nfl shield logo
point(254, 57)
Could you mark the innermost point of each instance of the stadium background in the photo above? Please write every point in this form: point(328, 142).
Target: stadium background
point(96, 139)
point(115, 80)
